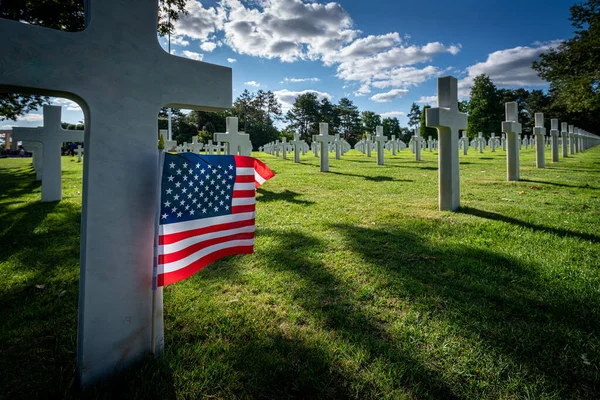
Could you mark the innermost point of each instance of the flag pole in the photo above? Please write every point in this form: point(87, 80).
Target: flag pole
point(161, 157)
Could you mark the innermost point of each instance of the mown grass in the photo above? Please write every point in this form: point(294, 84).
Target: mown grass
point(359, 288)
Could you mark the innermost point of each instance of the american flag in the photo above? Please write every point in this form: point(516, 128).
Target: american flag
point(207, 211)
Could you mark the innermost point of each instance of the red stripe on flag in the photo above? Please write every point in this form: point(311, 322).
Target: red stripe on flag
point(183, 253)
point(244, 178)
point(244, 161)
point(243, 193)
point(261, 169)
point(176, 237)
point(180, 274)
point(243, 209)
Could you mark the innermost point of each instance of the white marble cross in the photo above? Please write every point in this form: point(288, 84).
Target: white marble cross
point(465, 143)
point(117, 72)
point(493, 142)
point(564, 135)
point(512, 127)
point(297, 147)
point(380, 140)
point(236, 141)
point(324, 138)
point(338, 146)
point(195, 146)
point(448, 120)
point(79, 152)
point(368, 143)
point(211, 148)
point(37, 155)
point(554, 139)
point(52, 136)
point(284, 148)
point(539, 132)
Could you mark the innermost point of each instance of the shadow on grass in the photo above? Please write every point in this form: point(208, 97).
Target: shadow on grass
point(373, 178)
point(286, 195)
point(287, 363)
point(557, 231)
point(586, 186)
point(485, 296)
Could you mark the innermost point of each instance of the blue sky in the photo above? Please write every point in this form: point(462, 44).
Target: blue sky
point(383, 55)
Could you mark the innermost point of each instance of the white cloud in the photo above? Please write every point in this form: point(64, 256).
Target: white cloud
point(293, 30)
point(508, 68)
point(389, 96)
point(200, 22)
point(427, 100)
point(208, 46)
point(31, 117)
point(69, 105)
point(179, 40)
point(252, 83)
point(298, 80)
point(193, 55)
point(7, 126)
point(289, 30)
point(231, 60)
point(392, 114)
point(287, 97)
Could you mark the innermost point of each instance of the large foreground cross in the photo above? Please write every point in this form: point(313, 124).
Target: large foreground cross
point(448, 121)
point(115, 70)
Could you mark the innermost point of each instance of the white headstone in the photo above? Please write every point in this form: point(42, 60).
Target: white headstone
point(512, 128)
point(236, 141)
point(564, 135)
point(79, 152)
point(380, 139)
point(324, 138)
point(448, 120)
point(465, 143)
point(52, 137)
point(554, 139)
point(37, 155)
point(297, 147)
point(539, 132)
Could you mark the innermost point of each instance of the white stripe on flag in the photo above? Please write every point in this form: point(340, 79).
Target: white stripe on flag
point(182, 244)
point(177, 227)
point(172, 267)
point(244, 186)
point(243, 201)
point(258, 178)
point(244, 171)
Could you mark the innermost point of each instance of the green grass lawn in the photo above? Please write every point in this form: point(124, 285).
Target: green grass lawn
point(358, 288)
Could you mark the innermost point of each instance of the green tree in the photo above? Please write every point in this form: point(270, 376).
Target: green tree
point(303, 117)
point(350, 124)
point(486, 113)
point(414, 116)
point(573, 68)
point(391, 126)
point(370, 121)
point(424, 131)
point(329, 113)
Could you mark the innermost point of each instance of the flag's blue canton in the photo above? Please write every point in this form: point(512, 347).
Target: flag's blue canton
point(195, 186)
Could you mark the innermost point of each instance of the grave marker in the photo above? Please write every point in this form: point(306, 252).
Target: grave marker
point(512, 128)
point(448, 120)
point(52, 136)
point(380, 139)
point(539, 132)
point(324, 138)
point(554, 134)
point(235, 141)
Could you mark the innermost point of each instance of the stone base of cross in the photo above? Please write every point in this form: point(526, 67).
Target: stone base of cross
point(448, 120)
